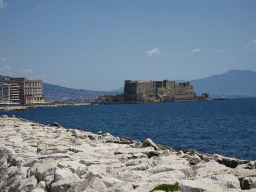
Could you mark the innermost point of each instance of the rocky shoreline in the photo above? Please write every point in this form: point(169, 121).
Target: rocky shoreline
point(42, 158)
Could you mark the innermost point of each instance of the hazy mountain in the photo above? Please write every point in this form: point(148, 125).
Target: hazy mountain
point(63, 94)
point(233, 82)
point(120, 90)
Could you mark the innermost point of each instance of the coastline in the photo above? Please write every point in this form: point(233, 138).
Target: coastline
point(52, 158)
point(7, 107)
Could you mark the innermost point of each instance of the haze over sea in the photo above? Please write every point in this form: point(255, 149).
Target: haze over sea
point(225, 127)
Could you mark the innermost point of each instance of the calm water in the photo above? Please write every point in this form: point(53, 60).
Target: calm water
point(226, 127)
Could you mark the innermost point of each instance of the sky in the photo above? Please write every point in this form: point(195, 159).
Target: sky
point(98, 44)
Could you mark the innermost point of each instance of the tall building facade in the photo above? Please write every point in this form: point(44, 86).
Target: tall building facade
point(4, 91)
point(21, 90)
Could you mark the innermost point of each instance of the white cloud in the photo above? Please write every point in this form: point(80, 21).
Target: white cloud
point(39, 7)
point(7, 67)
point(26, 70)
point(156, 51)
point(196, 50)
point(251, 45)
point(221, 50)
point(3, 59)
point(42, 77)
point(2, 4)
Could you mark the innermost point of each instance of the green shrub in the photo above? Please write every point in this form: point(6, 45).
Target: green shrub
point(167, 188)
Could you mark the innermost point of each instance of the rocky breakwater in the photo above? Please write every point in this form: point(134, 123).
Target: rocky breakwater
point(42, 158)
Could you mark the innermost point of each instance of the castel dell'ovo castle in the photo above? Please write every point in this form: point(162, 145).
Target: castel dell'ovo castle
point(152, 92)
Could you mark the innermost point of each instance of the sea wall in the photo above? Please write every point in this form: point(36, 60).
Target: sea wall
point(42, 158)
point(11, 107)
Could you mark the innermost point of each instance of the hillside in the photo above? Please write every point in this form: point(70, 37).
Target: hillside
point(233, 82)
point(63, 94)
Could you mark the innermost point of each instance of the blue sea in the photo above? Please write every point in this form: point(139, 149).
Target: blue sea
point(225, 127)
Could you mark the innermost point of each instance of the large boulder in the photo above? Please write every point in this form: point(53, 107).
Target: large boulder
point(9, 176)
point(120, 187)
point(45, 169)
point(149, 143)
point(96, 183)
point(62, 173)
point(211, 168)
point(65, 183)
point(198, 186)
point(89, 161)
point(27, 184)
point(227, 181)
point(187, 170)
point(165, 176)
point(227, 161)
point(248, 183)
point(192, 159)
point(14, 159)
point(5, 151)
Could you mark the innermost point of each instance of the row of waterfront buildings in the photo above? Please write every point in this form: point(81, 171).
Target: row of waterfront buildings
point(21, 91)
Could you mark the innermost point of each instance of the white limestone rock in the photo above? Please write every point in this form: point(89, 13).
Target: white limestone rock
point(187, 170)
point(39, 190)
point(9, 176)
point(3, 164)
point(63, 162)
point(193, 159)
point(171, 159)
point(110, 181)
point(5, 151)
point(238, 171)
point(141, 166)
point(165, 176)
point(197, 185)
point(89, 162)
point(211, 168)
point(14, 159)
point(149, 143)
point(146, 186)
point(81, 185)
point(98, 168)
point(64, 184)
point(97, 184)
point(62, 173)
point(29, 162)
point(81, 170)
point(248, 183)
point(44, 169)
point(92, 174)
point(227, 181)
point(74, 166)
point(27, 184)
point(121, 187)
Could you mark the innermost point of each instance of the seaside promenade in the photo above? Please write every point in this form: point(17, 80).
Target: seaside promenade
point(42, 158)
point(12, 107)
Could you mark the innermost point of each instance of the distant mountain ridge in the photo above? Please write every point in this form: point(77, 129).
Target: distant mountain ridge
point(63, 94)
point(234, 82)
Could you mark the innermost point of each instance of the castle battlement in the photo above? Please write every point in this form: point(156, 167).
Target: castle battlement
point(152, 91)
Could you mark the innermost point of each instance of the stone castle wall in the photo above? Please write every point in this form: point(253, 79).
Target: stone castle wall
point(152, 91)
